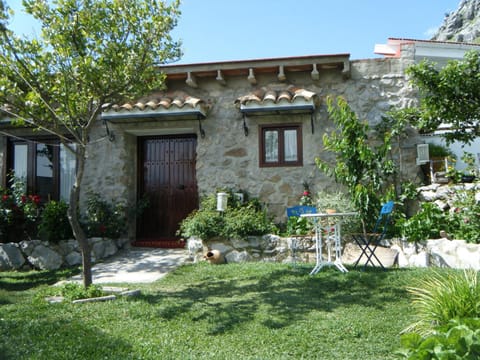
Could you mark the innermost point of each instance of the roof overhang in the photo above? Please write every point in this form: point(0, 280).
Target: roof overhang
point(297, 107)
point(159, 113)
point(159, 106)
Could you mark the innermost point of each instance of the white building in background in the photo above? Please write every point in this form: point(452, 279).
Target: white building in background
point(440, 52)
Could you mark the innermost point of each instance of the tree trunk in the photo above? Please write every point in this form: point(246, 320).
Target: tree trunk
point(74, 216)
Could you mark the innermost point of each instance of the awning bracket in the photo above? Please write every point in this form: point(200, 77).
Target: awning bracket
point(245, 127)
point(200, 128)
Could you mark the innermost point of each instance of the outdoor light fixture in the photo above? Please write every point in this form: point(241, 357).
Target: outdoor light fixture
point(222, 199)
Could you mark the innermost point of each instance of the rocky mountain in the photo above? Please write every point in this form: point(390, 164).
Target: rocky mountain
point(462, 25)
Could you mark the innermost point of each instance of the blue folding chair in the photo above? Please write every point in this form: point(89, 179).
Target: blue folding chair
point(369, 242)
point(300, 209)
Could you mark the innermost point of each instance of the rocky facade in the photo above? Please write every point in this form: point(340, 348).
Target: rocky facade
point(226, 158)
point(462, 25)
point(42, 255)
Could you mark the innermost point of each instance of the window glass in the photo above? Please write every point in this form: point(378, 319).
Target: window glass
point(67, 172)
point(290, 145)
point(20, 152)
point(44, 171)
point(271, 146)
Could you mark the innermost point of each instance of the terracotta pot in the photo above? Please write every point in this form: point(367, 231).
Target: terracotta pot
point(214, 257)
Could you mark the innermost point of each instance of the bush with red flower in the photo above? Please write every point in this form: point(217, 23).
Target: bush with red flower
point(104, 219)
point(306, 198)
point(19, 213)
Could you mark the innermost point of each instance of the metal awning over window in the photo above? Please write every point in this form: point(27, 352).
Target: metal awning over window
point(176, 105)
point(277, 100)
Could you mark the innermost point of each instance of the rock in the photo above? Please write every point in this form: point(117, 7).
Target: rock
point(238, 257)
point(428, 195)
point(68, 246)
point(74, 258)
point(402, 260)
point(95, 299)
point(110, 247)
point(352, 252)
point(270, 241)
point(462, 25)
point(419, 260)
point(241, 244)
point(44, 258)
point(456, 254)
point(98, 248)
point(28, 246)
point(11, 257)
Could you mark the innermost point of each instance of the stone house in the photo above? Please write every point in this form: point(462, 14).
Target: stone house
point(248, 125)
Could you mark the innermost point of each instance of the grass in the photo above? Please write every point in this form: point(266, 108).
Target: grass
point(233, 311)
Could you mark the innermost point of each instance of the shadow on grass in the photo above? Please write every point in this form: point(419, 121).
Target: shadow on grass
point(24, 280)
point(279, 297)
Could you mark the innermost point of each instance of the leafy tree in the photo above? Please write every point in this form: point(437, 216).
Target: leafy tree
point(448, 95)
point(362, 167)
point(90, 52)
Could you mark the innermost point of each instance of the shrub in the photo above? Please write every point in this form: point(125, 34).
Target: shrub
point(339, 201)
point(459, 339)
point(426, 224)
point(462, 221)
point(54, 224)
point(104, 219)
point(71, 291)
point(297, 225)
point(240, 219)
point(466, 217)
point(441, 297)
point(18, 213)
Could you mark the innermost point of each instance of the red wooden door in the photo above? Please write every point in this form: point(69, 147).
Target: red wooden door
point(167, 178)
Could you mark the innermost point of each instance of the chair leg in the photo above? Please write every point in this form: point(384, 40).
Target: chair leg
point(372, 254)
point(365, 246)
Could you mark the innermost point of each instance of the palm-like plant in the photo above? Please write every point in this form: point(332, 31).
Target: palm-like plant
point(441, 297)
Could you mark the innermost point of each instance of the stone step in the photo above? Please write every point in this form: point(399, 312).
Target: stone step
point(352, 252)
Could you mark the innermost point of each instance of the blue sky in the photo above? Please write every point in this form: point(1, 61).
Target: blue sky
point(222, 30)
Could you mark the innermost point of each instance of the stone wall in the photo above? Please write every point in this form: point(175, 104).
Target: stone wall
point(455, 254)
point(226, 158)
point(271, 248)
point(43, 255)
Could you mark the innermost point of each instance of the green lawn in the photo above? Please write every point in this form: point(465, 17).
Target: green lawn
point(234, 311)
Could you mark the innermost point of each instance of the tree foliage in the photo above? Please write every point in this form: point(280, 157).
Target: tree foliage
point(90, 52)
point(448, 95)
point(363, 167)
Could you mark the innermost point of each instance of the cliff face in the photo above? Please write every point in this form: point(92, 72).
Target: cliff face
point(462, 25)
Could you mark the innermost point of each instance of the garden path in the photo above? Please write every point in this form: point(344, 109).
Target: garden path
point(137, 265)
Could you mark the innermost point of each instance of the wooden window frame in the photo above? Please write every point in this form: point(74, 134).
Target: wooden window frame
point(32, 163)
point(281, 155)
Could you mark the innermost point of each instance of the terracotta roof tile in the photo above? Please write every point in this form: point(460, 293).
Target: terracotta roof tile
point(276, 94)
point(165, 100)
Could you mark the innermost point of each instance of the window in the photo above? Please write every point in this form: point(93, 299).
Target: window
point(45, 166)
point(281, 145)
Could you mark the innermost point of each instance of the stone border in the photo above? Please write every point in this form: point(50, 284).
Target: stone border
point(43, 255)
